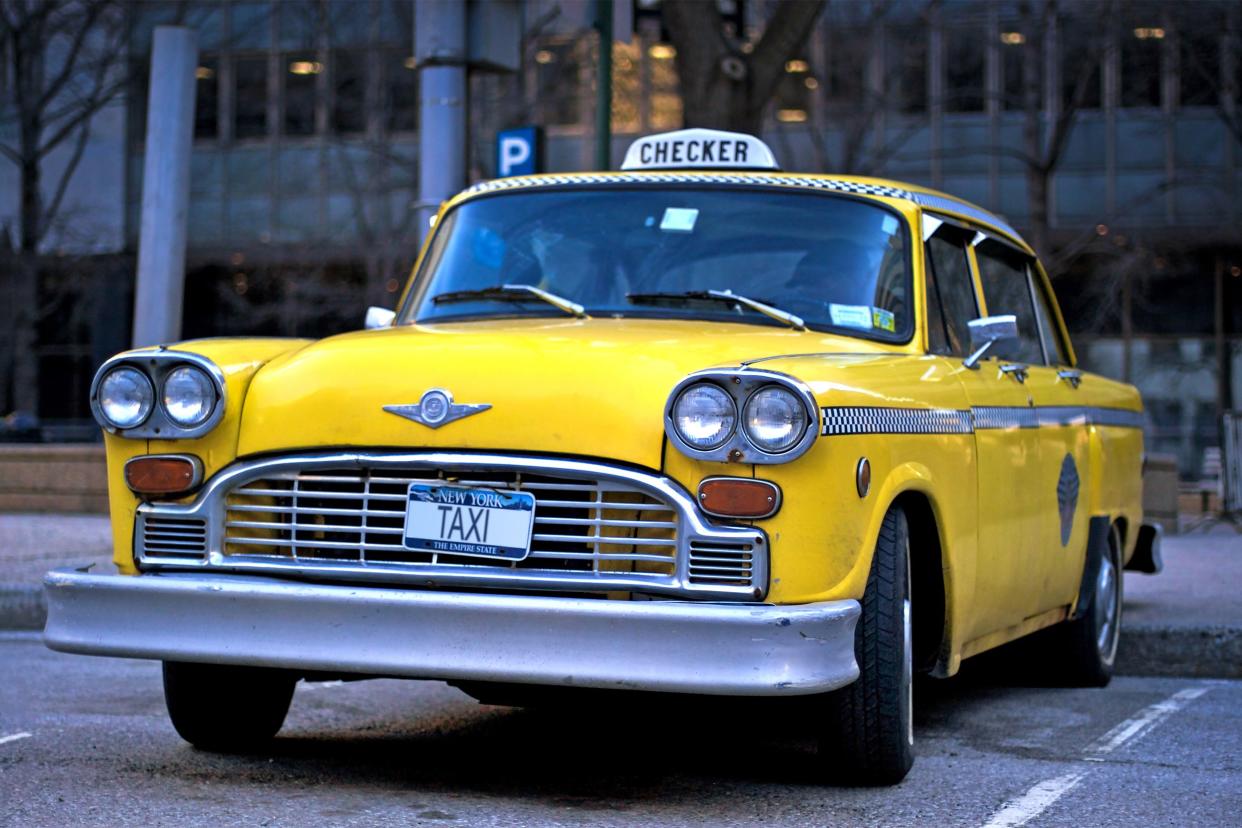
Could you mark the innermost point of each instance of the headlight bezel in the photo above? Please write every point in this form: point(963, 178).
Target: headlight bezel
point(728, 432)
point(151, 403)
point(744, 419)
point(742, 384)
point(156, 364)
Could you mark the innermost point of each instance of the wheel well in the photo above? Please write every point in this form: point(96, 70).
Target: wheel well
point(1123, 530)
point(926, 579)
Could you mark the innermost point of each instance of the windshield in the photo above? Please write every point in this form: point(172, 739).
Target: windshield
point(837, 262)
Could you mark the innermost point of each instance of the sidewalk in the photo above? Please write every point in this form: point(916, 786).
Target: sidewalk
point(1186, 621)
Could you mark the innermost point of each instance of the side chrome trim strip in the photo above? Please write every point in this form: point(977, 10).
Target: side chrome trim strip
point(845, 420)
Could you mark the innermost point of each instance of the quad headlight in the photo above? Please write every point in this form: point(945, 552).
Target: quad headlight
point(189, 396)
point(158, 394)
point(126, 397)
point(774, 419)
point(704, 416)
point(742, 415)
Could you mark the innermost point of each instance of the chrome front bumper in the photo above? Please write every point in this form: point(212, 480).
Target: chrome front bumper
point(670, 646)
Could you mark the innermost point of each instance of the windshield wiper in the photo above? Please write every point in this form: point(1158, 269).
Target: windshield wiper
point(729, 296)
point(512, 293)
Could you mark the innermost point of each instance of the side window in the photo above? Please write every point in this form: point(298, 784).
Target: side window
point(950, 295)
point(1053, 346)
point(1006, 288)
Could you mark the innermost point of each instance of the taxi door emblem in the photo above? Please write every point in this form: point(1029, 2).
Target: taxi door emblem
point(1067, 496)
point(436, 408)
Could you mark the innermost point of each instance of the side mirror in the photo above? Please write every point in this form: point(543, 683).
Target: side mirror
point(382, 317)
point(986, 332)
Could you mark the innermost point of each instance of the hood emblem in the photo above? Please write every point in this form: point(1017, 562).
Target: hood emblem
point(436, 408)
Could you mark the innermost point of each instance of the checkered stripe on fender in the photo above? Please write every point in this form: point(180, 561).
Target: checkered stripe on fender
point(877, 420)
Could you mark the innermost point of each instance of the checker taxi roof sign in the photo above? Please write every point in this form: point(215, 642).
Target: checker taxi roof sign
point(704, 149)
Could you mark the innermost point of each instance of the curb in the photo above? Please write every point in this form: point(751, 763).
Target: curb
point(22, 607)
point(1196, 652)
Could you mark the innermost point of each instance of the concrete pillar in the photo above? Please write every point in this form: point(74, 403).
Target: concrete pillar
point(440, 48)
point(165, 187)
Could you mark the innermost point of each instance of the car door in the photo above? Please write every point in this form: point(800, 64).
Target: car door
point(1055, 482)
point(1004, 448)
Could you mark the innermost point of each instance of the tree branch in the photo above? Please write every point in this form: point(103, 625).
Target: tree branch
point(53, 207)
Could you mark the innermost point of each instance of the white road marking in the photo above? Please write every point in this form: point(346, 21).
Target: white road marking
point(13, 738)
point(1042, 795)
point(1034, 802)
point(1137, 726)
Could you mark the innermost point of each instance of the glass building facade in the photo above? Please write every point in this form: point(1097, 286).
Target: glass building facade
point(1127, 113)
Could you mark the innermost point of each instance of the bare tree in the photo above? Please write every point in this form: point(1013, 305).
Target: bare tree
point(723, 85)
point(66, 62)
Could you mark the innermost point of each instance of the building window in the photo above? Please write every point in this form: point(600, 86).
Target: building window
point(1140, 65)
point(1013, 46)
point(207, 98)
point(1080, 64)
point(964, 70)
point(558, 70)
point(906, 59)
point(665, 110)
point(349, 92)
point(846, 63)
point(250, 96)
point(401, 97)
point(627, 86)
point(301, 76)
point(1199, 51)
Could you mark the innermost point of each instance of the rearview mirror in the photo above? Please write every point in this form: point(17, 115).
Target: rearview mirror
point(380, 317)
point(986, 332)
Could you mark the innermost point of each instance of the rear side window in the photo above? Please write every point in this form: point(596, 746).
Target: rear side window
point(950, 295)
point(1006, 288)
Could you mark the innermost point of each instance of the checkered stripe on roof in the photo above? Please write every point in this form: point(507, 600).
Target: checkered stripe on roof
point(753, 179)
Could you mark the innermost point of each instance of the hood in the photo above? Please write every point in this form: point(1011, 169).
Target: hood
point(594, 387)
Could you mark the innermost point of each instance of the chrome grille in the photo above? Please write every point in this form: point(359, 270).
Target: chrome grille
point(599, 528)
point(178, 538)
point(721, 563)
point(357, 516)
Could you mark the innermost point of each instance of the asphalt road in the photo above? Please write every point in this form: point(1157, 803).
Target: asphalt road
point(85, 741)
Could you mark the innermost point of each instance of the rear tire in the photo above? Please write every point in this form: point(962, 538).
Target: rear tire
point(225, 708)
point(1087, 646)
point(868, 735)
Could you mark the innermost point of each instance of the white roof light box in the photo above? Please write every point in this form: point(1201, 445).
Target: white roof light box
point(699, 149)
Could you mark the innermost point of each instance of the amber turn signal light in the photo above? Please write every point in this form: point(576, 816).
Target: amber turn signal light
point(739, 497)
point(163, 474)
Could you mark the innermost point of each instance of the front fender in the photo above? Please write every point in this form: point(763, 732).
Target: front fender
point(239, 360)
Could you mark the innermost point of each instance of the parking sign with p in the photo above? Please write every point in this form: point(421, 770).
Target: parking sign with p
point(517, 151)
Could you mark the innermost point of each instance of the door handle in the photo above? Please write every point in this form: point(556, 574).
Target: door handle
point(1071, 375)
point(1014, 370)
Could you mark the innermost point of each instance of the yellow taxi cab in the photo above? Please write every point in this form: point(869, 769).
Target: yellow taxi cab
point(698, 426)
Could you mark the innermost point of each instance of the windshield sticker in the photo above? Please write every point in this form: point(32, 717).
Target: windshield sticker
point(850, 316)
point(889, 225)
point(884, 320)
point(679, 220)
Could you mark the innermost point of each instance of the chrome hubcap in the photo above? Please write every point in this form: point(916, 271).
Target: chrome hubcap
point(1107, 608)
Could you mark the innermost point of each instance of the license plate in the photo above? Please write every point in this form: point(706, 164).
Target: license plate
point(468, 520)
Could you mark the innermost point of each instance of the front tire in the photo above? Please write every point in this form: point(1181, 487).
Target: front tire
point(868, 737)
point(225, 708)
